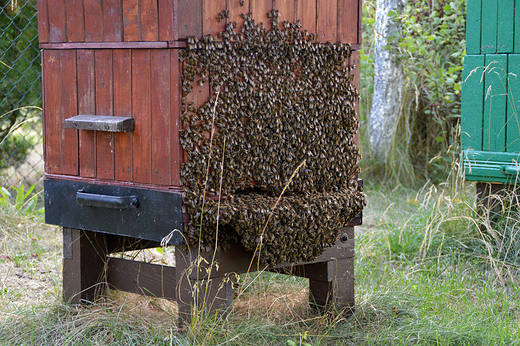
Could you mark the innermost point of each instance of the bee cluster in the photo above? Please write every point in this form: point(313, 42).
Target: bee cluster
point(278, 100)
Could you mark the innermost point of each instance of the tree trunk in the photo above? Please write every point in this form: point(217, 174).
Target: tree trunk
point(388, 80)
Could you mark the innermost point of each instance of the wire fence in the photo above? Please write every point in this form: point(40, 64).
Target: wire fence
point(21, 153)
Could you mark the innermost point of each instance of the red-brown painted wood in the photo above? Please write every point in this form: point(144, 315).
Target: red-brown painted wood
point(122, 60)
point(93, 20)
point(167, 13)
point(104, 106)
point(75, 21)
point(43, 21)
point(86, 105)
point(306, 14)
point(286, 9)
point(112, 21)
point(327, 19)
point(190, 18)
point(210, 13)
point(113, 45)
point(56, 12)
point(131, 20)
point(161, 117)
point(259, 10)
point(51, 94)
point(348, 20)
point(149, 20)
point(175, 122)
point(141, 159)
point(68, 109)
point(236, 10)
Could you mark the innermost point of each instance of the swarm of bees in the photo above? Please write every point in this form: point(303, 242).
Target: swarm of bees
point(278, 100)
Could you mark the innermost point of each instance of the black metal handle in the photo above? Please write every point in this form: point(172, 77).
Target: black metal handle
point(105, 201)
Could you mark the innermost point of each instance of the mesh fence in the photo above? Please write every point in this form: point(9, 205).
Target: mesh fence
point(21, 153)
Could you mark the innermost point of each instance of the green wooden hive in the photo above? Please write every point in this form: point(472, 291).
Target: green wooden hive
point(491, 92)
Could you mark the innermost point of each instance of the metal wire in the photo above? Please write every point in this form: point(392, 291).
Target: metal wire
point(21, 152)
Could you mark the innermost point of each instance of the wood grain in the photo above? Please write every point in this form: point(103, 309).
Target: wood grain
point(167, 13)
point(43, 21)
point(190, 18)
point(104, 106)
point(56, 12)
point(51, 92)
point(306, 14)
point(259, 10)
point(68, 109)
point(131, 20)
point(75, 21)
point(93, 20)
point(210, 12)
point(287, 10)
point(86, 105)
point(348, 21)
point(112, 21)
point(327, 19)
point(175, 122)
point(149, 20)
point(141, 149)
point(122, 60)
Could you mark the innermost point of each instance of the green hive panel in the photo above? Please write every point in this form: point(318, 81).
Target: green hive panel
point(495, 103)
point(473, 20)
point(505, 29)
point(513, 104)
point(489, 21)
point(472, 102)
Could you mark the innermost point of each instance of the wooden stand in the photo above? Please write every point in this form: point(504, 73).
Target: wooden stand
point(88, 271)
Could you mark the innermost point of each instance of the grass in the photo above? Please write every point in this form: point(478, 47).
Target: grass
point(429, 271)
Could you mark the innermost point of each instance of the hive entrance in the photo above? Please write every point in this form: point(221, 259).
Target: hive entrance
point(278, 100)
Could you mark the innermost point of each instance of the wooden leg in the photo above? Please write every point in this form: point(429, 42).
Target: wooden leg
point(84, 259)
point(204, 294)
point(331, 284)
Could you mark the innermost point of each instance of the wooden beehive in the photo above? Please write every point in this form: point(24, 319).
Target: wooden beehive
point(490, 92)
point(120, 58)
point(112, 104)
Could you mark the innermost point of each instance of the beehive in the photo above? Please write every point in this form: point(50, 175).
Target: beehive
point(116, 114)
point(490, 92)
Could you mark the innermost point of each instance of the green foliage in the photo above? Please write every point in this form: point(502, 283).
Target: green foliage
point(21, 200)
point(20, 83)
point(431, 49)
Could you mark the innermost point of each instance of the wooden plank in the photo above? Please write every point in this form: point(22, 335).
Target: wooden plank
point(142, 278)
point(236, 8)
point(123, 107)
point(104, 106)
point(259, 10)
point(175, 116)
point(56, 11)
point(306, 13)
point(473, 27)
point(149, 20)
point(75, 21)
point(93, 20)
point(210, 11)
point(489, 20)
point(51, 95)
point(348, 21)
point(190, 18)
point(161, 116)
point(131, 20)
point(113, 45)
point(472, 102)
point(166, 16)
point(506, 22)
point(287, 10)
point(86, 105)
point(141, 148)
point(112, 21)
point(517, 29)
point(327, 19)
point(513, 104)
point(68, 108)
point(43, 21)
point(495, 103)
